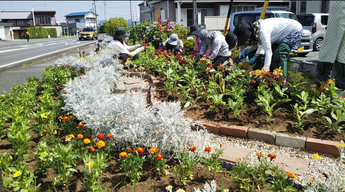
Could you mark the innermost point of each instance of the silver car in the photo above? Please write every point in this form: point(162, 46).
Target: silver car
point(316, 23)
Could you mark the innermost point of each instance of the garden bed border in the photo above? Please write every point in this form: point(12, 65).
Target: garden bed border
point(316, 145)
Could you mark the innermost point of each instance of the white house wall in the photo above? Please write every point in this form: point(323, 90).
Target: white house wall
point(2, 33)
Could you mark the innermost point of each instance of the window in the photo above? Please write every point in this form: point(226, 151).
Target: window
point(303, 6)
point(324, 19)
point(77, 20)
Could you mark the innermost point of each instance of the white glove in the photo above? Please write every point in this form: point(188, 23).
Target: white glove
point(133, 53)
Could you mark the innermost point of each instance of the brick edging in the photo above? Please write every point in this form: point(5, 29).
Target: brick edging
point(311, 144)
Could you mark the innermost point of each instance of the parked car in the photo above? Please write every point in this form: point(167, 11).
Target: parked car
point(252, 16)
point(88, 33)
point(316, 23)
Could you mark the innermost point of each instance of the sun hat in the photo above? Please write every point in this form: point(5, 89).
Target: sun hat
point(204, 36)
point(231, 39)
point(173, 40)
point(120, 33)
point(193, 29)
point(243, 31)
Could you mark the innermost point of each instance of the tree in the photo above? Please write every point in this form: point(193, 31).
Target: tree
point(113, 23)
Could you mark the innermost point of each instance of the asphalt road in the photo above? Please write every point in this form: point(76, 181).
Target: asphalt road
point(17, 52)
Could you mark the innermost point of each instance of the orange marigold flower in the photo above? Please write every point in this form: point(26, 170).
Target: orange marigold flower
point(109, 136)
point(60, 117)
point(45, 132)
point(71, 136)
point(81, 124)
point(271, 155)
point(65, 118)
point(159, 156)
point(259, 155)
point(123, 155)
point(70, 117)
point(86, 141)
point(129, 149)
point(100, 136)
point(208, 149)
point(154, 150)
point(192, 148)
point(140, 150)
point(92, 149)
point(134, 150)
point(100, 144)
point(312, 180)
point(80, 136)
point(291, 175)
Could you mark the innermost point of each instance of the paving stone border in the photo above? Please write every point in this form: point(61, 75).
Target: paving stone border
point(311, 144)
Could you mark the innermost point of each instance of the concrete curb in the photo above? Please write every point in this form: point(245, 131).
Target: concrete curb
point(311, 144)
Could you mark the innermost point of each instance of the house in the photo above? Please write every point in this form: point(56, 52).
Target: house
point(6, 31)
point(181, 11)
point(23, 19)
point(75, 22)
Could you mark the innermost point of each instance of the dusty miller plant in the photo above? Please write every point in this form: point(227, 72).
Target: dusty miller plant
point(208, 187)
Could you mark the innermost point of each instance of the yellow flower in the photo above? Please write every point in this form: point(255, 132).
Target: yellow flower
point(169, 187)
point(95, 63)
point(90, 164)
point(225, 190)
point(316, 156)
point(71, 136)
point(55, 132)
point(180, 190)
point(17, 174)
point(43, 115)
point(44, 153)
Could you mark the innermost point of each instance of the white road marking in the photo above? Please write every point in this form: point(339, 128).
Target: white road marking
point(31, 58)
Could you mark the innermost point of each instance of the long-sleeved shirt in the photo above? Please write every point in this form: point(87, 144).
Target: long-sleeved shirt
point(274, 30)
point(217, 47)
point(333, 46)
point(117, 47)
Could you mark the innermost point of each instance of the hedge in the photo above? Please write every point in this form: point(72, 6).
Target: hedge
point(39, 32)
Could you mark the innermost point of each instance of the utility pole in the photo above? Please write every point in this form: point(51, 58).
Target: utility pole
point(105, 13)
point(130, 7)
point(33, 16)
point(195, 12)
point(95, 13)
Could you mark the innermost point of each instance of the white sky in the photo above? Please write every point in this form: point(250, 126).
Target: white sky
point(113, 8)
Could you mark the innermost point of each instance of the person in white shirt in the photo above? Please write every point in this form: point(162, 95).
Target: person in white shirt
point(173, 44)
point(333, 47)
point(283, 33)
point(120, 49)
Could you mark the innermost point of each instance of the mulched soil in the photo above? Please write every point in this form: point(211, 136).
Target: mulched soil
point(253, 116)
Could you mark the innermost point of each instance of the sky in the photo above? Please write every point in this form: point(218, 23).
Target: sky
point(112, 8)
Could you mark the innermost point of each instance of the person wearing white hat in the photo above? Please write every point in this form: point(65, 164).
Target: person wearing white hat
point(173, 44)
point(216, 43)
point(120, 49)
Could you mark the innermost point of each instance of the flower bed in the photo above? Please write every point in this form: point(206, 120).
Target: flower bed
point(68, 133)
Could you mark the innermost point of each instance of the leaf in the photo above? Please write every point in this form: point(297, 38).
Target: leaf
point(187, 104)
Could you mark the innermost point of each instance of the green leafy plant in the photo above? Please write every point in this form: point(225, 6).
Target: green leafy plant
point(44, 157)
point(211, 161)
point(157, 159)
point(187, 160)
point(92, 171)
point(266, 100)
point(236, 106)
point(131, 164)
point(301, 113)
point(336, 126)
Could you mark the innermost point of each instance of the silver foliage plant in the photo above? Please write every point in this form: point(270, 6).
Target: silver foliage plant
point(208, 187)
point(127, 116)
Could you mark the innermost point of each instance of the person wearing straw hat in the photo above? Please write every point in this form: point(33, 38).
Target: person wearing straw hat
point(280, 33)
point(173, 44)
point(120, 49)
point(216, 43)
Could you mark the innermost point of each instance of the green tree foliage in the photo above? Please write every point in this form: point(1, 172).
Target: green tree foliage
point(113, 23)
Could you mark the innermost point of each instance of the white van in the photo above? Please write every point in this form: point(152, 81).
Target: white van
point(316, 23)
point(252, 16)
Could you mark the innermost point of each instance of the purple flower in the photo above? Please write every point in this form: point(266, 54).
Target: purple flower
point(158, 38)
point(159, 20)
point(154, 37)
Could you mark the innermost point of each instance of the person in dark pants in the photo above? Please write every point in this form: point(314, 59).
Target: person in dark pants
point(332, 51)
point(216, 43)
point(173, 44)
point(285, 33)
point(27, 35)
